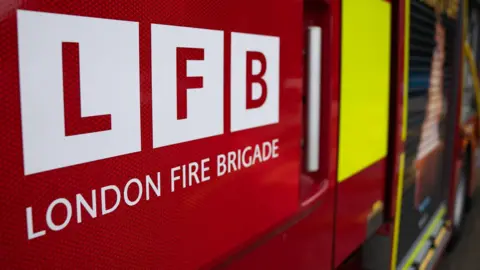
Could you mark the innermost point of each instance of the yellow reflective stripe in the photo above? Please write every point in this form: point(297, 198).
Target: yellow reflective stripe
point(440, 236)
point(431, 252)
point(365, 85)
point(427, 260)
point(425, 237)
point(398, 209)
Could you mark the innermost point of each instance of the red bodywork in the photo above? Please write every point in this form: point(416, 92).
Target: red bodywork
point(200, 226)
point(269, 216)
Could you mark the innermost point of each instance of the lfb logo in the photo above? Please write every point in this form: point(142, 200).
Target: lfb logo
point(102, 81)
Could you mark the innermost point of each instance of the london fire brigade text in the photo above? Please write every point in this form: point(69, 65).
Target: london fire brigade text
point(105, 200)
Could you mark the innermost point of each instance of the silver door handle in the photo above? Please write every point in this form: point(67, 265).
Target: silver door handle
point(313, 98)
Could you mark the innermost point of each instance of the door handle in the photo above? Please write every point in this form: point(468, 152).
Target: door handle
point(313, 98)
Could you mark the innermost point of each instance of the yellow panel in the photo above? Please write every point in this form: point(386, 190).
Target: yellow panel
point(365, 84)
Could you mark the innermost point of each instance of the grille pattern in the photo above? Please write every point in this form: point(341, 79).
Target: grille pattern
point(422, 48)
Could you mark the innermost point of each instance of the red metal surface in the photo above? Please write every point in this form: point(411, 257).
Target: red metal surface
point(355, 199)
point(192, 226)
point(304, 241)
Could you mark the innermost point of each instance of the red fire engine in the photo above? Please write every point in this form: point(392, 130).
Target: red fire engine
point(254, 134)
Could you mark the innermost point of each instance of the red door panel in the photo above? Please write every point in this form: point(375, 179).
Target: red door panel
point(204, 218)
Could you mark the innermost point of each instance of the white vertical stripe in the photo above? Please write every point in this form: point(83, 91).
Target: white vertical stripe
point(314, 88)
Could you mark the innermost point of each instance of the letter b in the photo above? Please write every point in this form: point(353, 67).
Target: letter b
point(254, 81)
